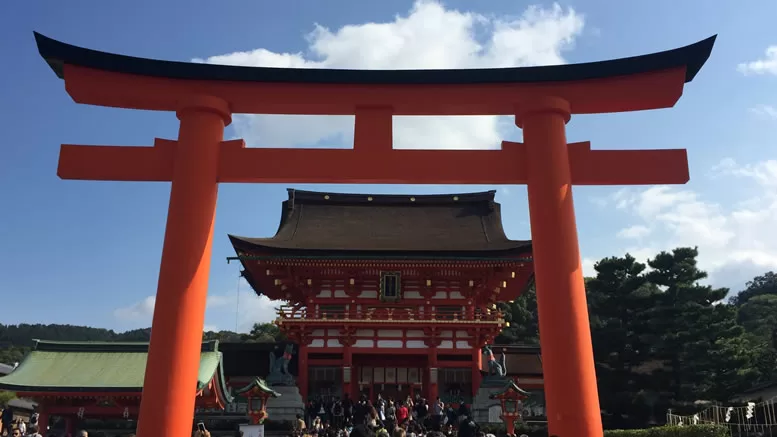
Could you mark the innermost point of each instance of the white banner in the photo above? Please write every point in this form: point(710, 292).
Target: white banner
point(252, 430)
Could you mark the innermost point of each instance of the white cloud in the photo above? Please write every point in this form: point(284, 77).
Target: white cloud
point(428, 37)
point(137, 311)
point(223, 311)
point(765, 111)
point(634, 232)
point(734, 242)
point(765, 65)
point(588, 267)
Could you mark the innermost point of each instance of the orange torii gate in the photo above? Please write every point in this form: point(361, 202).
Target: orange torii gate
point(204, 97)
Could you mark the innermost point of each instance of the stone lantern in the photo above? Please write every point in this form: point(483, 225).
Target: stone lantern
point(511, 397)
point(257, 393)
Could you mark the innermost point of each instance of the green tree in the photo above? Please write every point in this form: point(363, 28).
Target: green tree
point(264, 333)
point(760, 285)
point(226, 336)
point(757, 305)
point(694, 335)
point(619, 299)
point(5, 397)
point(522, 316)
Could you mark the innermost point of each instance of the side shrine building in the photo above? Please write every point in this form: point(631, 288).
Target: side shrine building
point(389, 294)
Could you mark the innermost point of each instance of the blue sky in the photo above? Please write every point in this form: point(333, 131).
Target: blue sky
point(88, 252)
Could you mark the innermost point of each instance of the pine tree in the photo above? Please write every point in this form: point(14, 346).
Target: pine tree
point(522, 316)
point(618, 298)
point(695, 336)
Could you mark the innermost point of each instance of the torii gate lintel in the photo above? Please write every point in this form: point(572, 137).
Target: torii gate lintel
point(505, 166)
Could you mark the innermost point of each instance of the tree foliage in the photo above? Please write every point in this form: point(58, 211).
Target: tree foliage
point(5, 397)
point(16, 340)
point(664, 338)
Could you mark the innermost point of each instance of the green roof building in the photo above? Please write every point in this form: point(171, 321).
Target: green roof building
point(102, 379)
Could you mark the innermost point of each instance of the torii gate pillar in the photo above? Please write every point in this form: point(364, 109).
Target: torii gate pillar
point(571, 394)
point(179, 312)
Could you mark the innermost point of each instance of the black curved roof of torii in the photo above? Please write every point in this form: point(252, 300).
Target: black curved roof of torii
point(57, 54)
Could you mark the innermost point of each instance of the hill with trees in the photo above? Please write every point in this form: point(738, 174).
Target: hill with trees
point(16, 340)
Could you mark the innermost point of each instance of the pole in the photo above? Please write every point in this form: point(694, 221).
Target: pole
point(565, 336)
point(167, 405)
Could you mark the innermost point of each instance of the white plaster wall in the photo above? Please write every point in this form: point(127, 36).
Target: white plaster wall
point(389, 343)
point(389, 333)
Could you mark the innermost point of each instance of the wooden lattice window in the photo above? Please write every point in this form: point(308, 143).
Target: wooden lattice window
point(390, 286)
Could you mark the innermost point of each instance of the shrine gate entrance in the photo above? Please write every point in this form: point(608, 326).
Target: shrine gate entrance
point(542, 100)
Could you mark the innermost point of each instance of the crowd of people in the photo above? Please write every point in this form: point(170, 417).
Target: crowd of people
point(12, 426)
point(411, 417)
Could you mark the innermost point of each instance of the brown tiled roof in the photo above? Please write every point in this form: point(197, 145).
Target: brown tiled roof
point(452, 223)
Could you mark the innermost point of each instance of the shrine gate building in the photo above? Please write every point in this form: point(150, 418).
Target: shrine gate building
point(390, 294)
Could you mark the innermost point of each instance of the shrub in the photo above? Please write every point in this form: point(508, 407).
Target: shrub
point(672, 431)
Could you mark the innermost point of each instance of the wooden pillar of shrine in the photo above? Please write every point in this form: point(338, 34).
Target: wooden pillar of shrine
point(69, 426)
point(43, 419)
point(348, 371)
point(167, 405)
point(302, 371)
point(565, 337)
point(434, 374)
point(477, 377)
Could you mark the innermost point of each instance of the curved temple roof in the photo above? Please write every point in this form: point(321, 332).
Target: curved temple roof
point(57, 54)
point(78, 367)
point(448, 224)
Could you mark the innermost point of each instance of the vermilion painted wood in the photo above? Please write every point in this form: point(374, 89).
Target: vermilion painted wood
point(506, 166)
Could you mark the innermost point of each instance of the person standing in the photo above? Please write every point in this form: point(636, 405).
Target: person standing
point(300, 426)
point(7, 419)
point(402, 413)
point(391, 417)
point(438, 410)
point(338, 414)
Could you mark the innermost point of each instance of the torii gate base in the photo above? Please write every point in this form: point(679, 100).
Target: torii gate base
point(205, 96)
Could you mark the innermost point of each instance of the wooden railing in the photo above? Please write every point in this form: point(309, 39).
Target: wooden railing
point(398, 313)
